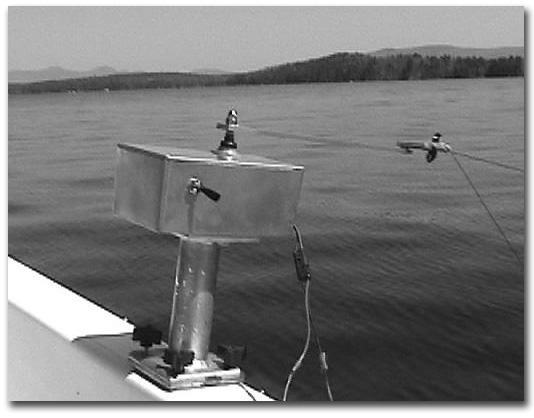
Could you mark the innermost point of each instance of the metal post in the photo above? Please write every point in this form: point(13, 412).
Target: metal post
point(194, 292)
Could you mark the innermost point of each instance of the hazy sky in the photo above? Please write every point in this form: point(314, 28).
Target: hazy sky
point(240, 38)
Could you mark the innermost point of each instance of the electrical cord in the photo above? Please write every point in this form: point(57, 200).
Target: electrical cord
point(298, 363)
point(304, 278)
point(322, 357)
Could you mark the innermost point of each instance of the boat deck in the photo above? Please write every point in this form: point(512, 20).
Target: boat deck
point(62, 347)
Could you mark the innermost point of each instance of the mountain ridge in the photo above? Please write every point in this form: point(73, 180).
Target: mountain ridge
point(57, 73)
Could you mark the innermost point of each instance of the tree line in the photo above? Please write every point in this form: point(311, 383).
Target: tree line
point(340, 67)
point(344, 67)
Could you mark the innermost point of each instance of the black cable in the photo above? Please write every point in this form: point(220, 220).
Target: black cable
point(491, 162)
point(486, 207)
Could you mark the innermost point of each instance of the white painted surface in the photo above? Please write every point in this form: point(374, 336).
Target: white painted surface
point(62, 347)
point(44, 366)
point(67, 313)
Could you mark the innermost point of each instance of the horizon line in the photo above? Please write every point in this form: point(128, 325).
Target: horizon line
point(220, 70)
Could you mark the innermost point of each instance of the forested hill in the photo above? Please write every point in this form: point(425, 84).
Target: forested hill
point(343, 67)
point(340, 67)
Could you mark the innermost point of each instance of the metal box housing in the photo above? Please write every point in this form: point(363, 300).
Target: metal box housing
point(258, 196)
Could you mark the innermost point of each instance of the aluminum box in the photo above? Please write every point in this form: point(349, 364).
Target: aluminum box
point(258, 196)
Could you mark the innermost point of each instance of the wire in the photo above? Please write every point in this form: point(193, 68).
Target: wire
point(298, 363)
point(486, 207)
point(324, 367)
point(322, 357)
point(491, 162)
point(315, 140)
point(304, 278)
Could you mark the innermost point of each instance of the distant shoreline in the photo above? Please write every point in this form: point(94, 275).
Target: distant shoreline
point(340, 67)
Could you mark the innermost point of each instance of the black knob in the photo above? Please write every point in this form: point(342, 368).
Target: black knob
point(147, 336)
point(232, 356)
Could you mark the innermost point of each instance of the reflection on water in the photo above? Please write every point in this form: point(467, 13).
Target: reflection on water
point(415, 295)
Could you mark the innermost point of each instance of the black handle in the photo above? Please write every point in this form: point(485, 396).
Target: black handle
point(212, 194)
point(195, 186)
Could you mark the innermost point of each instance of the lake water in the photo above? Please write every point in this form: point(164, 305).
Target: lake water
point(415, 294)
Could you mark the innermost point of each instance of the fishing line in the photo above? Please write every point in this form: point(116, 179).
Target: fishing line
point(491, 162)
point(314, 140)
point(486, 207)
point(380, 148)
